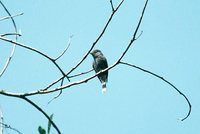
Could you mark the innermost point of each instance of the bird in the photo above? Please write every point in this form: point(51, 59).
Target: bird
point(100, 63)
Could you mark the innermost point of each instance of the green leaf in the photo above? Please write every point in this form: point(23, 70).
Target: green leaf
point(41, 130)
point(49, 124)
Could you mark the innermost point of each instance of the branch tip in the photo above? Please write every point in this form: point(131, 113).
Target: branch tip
point(111, 3)
point(69, 43)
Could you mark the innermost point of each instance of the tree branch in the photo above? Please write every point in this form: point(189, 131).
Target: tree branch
point(9, 17)
point(8, 34)
point(14, 46)
point(69, 43)
point(9, 127)
point(98, 38)
point(81, 73)
point(42, 111)
point(34, 50)
point(45, 91)
point(88, 52)
point(60, 88)
point(166, 81)
point(111, 3)
point(135, 33)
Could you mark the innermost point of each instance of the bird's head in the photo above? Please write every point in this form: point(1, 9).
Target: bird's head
point(95, 53)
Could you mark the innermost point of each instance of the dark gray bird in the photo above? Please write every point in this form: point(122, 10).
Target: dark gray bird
point(100, 63)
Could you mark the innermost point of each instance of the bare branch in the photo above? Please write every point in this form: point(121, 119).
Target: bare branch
point(62, 83)
point(87, 53)
point(69, 43)
point(59, 92)
point(62, 86)
point(8, 61)
point(111, 3)
point(98, 38)
point(55, 97)
point(1, 121)
point(135, 33)
point(80, 73)
point(139, 35)
point(37, 107)
point(9, 127)
point(42, 111)
point(53, 83)
point(9, 17)
point(166, 81)
point(13, 21)
point(26, 47)
point(8, 34)
point(14, 46)
point(44, 91)
point(34, 50)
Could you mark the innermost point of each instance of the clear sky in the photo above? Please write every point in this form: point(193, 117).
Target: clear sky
point(136, 102)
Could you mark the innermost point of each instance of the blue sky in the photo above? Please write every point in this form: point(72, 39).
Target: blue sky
point(136, 102)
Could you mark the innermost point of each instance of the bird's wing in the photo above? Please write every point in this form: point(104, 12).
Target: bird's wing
point(101, 63)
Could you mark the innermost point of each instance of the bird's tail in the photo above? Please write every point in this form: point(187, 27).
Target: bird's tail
point(103, 88)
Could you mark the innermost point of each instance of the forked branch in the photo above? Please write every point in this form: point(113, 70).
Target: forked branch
point(96, 41)
point(14, 46)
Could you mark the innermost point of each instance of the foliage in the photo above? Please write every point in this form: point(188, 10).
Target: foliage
point(41, 130)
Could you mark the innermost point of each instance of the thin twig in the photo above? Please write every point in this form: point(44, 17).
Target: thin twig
point(98, 38)
point(9, 17)
point(8, 61)
point(69, 43)
point(1, 121)
point(160, 77)
point(34, 50)
point(14, 46)
point(111, 3)
point(8, 34)
point(22, 95)
point(44, 91)
point(42, 111)
point(139, 35)
point(59, 92)
point(9, 127)
point(53, 83)
point(81, 73)
point(135, 33)
point(63, 81)
point(55, 97)
point(88, 52)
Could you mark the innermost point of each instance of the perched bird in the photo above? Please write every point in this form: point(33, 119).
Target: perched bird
point(100, 63)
